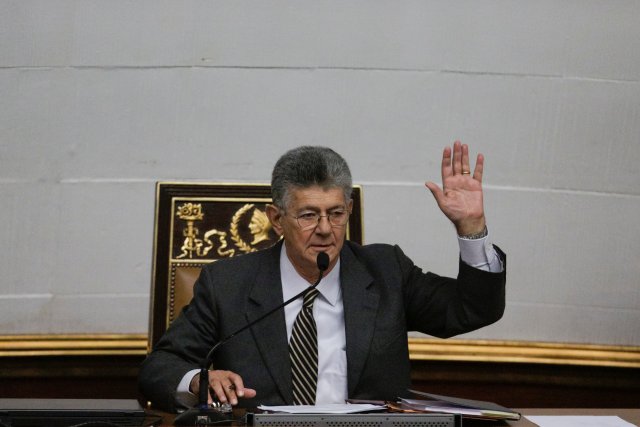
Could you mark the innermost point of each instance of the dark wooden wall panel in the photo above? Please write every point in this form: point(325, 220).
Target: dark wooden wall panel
point(532, 385)
point(510, 384)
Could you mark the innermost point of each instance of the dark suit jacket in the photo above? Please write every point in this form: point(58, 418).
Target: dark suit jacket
point(384, 293)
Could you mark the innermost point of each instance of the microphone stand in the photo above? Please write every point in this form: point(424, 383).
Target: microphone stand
point(204, 414)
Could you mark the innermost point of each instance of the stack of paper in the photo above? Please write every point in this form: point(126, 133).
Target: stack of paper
point(346, 408)
point(453, 405)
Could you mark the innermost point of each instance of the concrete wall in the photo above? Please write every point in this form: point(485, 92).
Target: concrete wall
point(101, 99)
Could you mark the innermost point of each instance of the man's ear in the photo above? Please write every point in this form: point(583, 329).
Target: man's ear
point(275, 218)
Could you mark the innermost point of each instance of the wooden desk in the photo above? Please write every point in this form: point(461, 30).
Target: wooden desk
point(630, 415)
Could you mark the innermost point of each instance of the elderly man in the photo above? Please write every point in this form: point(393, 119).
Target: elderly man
point(358, 318)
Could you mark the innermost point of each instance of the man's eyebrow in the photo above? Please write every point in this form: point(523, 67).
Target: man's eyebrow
point(317, 209)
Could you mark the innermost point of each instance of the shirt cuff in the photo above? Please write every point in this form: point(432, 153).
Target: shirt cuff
point(183, 397)
point(183, 386)
point(480, 254)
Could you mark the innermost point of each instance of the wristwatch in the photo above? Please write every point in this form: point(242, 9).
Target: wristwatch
point(476, 236)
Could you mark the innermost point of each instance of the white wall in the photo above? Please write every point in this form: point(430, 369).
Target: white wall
point(100, 99)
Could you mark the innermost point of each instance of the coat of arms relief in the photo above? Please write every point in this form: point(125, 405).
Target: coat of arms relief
point(246, 229)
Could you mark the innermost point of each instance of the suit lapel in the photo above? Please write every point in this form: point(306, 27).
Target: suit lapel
point(270, 334)
point(360, 300)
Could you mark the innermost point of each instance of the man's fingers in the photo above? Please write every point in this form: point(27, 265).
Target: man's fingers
point(438, 194)
point(227, 386)
point(250, 393)
point(236, 385)
point(457, 158)
point(219, 391)
point(465, 159)
point(446, 163)
point(477, 173)
point(231, 392)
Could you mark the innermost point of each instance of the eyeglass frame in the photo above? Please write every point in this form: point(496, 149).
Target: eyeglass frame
point(346, 211)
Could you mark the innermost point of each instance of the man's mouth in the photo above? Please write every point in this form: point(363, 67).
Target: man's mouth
point(321, 247)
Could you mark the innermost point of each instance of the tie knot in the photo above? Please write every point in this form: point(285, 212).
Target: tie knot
point(309, 297)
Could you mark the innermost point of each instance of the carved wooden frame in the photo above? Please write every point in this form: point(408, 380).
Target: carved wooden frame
point(185, 210)
point(422, 349)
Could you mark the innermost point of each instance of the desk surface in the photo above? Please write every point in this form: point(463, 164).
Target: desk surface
point(630, 415)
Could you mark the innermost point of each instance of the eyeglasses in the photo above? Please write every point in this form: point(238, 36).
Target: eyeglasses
point(309, 220)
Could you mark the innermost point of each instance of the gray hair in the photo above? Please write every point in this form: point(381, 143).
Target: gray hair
point(307, 166)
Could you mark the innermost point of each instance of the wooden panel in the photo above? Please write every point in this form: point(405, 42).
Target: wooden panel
point(531, 385)
point(420, 349)
point(83, 376)
point(514, 374)
point(511, 384)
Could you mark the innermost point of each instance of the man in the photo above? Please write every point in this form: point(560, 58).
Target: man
point(368, 299)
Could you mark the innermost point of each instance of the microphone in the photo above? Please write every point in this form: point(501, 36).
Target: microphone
point(202, 414)
point(322, 260)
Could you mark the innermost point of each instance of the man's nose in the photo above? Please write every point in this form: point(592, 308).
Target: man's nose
point(324, 226)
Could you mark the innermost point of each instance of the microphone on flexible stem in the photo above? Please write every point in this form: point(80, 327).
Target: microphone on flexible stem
point(203, 414)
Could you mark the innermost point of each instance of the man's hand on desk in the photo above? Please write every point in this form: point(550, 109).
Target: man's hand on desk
point(226, 385)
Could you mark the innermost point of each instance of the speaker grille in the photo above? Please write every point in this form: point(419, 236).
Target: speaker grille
point(356, 420)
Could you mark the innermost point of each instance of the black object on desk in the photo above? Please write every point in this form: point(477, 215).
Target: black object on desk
point(71, 412)
point(353, 420)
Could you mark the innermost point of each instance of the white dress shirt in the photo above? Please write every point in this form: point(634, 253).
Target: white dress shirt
point(328, 312)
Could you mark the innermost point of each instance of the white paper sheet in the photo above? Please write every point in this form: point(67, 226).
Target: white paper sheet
point(578, 421)
point(334, 408)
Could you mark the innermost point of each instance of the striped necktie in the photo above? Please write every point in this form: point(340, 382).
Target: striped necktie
point(303, 353)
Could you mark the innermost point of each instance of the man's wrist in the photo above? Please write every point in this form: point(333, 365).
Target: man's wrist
point(475, 236)
point(185, 383)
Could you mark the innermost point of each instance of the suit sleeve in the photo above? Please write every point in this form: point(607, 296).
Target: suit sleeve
point(182, 348)
point(444, 307)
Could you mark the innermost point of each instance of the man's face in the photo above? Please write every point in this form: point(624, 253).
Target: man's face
point(302, 245)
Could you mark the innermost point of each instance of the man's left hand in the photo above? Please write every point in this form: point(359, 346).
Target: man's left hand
point(461, 197)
